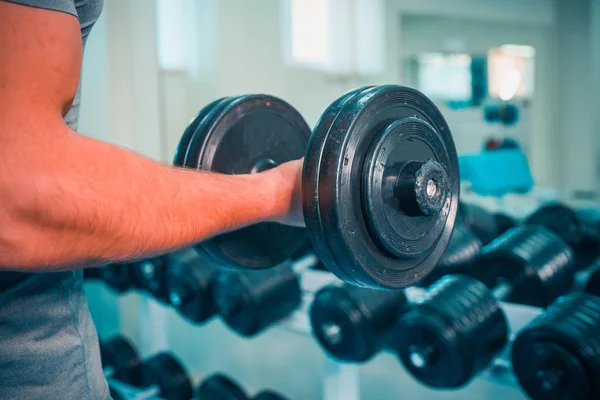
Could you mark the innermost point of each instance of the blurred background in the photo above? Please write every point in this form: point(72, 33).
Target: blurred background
point(510, 74)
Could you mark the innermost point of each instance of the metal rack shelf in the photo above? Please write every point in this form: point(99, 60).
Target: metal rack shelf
point(340, 380)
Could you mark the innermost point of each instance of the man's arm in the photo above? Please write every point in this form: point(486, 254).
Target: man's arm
point(66, 199)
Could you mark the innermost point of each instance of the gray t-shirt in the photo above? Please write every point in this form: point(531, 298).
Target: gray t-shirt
point(48, 341)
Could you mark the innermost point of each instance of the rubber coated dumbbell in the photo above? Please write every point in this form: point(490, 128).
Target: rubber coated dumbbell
point(351, 323)
point(250, 301)
point(527, 265)
point(162, 376)
point(588, 279)
point(190, 283)
point(557, 355)
point(220, 387)
point(452, 333)
point(120, 360)
point(150, 276)
point(268, 394)
point(463, 249)
point(457, 328)
point(485, 224)
point(379, 181)
point(118, 277)
point(578, 230)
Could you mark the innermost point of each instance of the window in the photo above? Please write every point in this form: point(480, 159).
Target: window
point(171, 33)
point(308, 23)
point(336, 36)
point(445, 77)
point(510, 71)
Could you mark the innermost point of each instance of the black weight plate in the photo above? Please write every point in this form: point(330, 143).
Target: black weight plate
point(560, 219)
point(220, 387)
point(118, 277)
point(268, 395)
point(184, 142)
point(120, 355)
point(237, 137)
point(310, 193)
point(189, 282)
point(166, 372)
point(336, 185)
point(557, 356)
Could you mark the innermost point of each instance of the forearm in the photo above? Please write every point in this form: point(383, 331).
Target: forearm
point(82, 201)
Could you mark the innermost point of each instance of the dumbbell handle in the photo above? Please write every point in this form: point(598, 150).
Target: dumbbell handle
point(108, 372)
point(304, 263)
point(503, 291)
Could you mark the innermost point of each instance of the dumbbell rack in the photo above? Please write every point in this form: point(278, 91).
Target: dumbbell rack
point(340, 380)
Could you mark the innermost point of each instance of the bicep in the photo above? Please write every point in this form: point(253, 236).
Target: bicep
point(39, 72)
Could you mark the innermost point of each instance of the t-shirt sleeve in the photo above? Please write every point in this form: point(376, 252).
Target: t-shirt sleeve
point(67, 6)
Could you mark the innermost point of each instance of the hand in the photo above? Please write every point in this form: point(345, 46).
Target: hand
point(288, 180)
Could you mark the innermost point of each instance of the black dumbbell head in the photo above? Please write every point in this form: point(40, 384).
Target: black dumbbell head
point(578, 229)
point(268, 395)
point(481, 221)
point(150, 276)
point(504, 223)
point(166, 372)
point(380, 187)
point(462, 251)
point(190, 279)
point(119, 354)
point(118, 277)
point(351, 323)
point(592, 286)
point(538, 264)
point(221, 387)
point(251, 301)
point(243, 135)
point(451, 333)
point(557, 356)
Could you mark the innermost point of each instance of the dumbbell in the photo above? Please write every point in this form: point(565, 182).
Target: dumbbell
point(161, 376)
point(557, 355)
point(268, 394)
point(120, 360)
point(580, 231)
point(250, 301)
point(380, 181)
point(485, 224)
point(351, 323)
point(455, 330)
point(588, 279)
point(91, 274)
point(528, 265)
point(190, 281)
point(150, 276)
point(463, 249)
point(222, 387)
point(118, 277)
